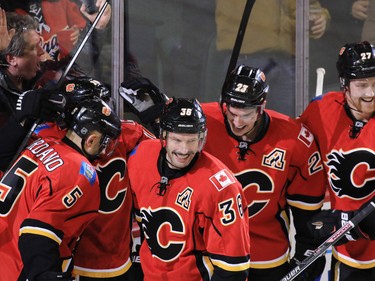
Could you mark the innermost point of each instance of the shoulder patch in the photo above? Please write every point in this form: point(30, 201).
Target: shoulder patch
point(222, 179)
point(88, 172)
point(134, 150)
point(305, 136)
point(41, 127)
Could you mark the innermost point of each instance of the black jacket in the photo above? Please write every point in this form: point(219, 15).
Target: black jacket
point(12, 133)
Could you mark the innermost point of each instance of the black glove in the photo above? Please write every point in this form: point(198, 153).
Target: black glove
point(314, 270)
point(55, 276)
point(144, 98)
point(325, 223)
point(40, 104)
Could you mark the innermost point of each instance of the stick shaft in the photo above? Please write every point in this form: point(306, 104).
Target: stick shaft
point(88, 33)
point(329, 242)
point(59, 83)
point(240, 36)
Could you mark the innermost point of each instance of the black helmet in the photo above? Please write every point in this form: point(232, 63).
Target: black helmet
point(245, 87)
point(185, 116)
point(77, 90)
point(181, 115)
point(95, 115)
point(356, 61)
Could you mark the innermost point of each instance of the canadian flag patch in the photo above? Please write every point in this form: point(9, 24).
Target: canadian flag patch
point(306, 136)
point(222, 179)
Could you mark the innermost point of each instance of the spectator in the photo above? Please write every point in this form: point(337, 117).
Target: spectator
point(342, 124)
point(52, 194)
point(19, 69)
point(60, 35)
point(190, 206)
point(347, 19)
point(368, 25)
point(269, 43)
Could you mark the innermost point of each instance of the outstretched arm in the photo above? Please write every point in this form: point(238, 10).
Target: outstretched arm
point(5, 35)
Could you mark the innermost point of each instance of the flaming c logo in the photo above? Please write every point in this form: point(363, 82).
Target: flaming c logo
point(352, 173)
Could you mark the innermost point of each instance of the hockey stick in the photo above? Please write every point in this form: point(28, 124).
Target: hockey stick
point(240, 36)
point(88, 33)
point(320, 72)
point(329, 242)
point(60, 82)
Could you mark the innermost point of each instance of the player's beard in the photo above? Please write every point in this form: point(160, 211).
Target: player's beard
point(362, 107)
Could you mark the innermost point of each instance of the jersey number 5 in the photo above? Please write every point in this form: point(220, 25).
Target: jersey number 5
point(13, 183)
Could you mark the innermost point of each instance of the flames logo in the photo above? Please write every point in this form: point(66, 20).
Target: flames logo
point(352, 173)
point(159, 226)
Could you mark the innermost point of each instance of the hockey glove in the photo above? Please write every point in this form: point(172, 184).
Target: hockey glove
point(39, 104)
point(325, 223)
point(314, 270)
point(367, 225)
point(143, 98)
point(54, 276)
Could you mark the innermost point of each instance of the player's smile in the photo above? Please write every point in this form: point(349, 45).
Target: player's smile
point(182, 159)
point(361, 98)
point(367, 99)
point(181, 149)
point(241, 120)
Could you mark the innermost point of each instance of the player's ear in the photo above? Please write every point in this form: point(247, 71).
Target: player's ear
point(92, 141)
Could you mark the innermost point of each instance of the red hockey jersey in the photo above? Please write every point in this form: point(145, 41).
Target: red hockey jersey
point(200, 223)
point(104, 248)
point(349, 167)
point(51, 190)
point(283, 167)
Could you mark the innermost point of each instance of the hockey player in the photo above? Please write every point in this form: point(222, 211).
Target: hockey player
point(51, 194)
point(99, 256)
point(276, 160)
point(190, 206)
point(343, 123)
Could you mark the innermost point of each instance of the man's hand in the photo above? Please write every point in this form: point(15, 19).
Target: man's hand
point(325, 223)
point(316, 269)
point(105, 18)
point(40, 104)
point(359, 9)
point(5, 35)
point(143, 98)
point(54, 276)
